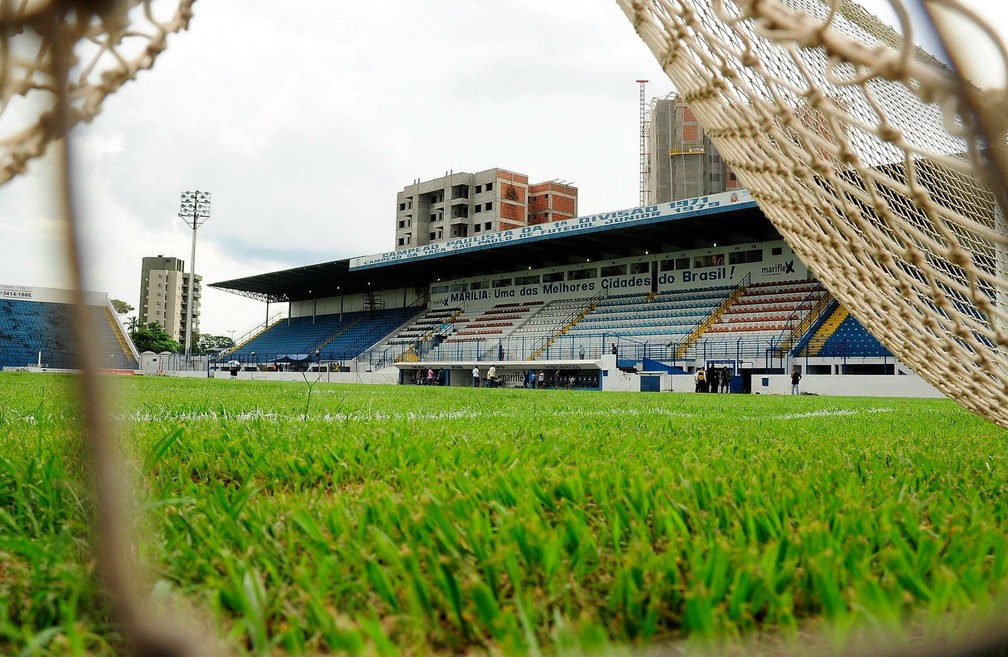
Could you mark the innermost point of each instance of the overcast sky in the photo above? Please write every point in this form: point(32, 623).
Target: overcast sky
point(304, 119)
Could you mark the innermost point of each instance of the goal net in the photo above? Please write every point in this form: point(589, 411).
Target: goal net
point(881, 166)
point(97, 52)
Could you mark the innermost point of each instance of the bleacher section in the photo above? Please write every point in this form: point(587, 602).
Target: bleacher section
point(336, 337)
point(30, 327)
point(476, 333)
point(742, 321)
point(766, 309)
point(851, 339)
point(663, 318)
point(424, 327)
point(552, 318)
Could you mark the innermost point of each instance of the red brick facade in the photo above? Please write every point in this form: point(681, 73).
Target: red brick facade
point(551, 201)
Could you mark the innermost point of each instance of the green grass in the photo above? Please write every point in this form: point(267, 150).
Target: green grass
point(430, 520)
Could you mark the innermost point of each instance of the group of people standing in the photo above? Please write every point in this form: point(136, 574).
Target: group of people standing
point(428, 378)
point(713, 379)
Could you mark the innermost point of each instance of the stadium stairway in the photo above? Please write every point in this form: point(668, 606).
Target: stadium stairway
point(127, 348)
point(715, 316)
point(566, 321)
point(254, 333)
point(343, 330)
point(829, 326)
point(643, 320)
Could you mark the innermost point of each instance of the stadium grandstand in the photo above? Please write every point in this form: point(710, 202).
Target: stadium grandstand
point(36, 331)
point(632, 299)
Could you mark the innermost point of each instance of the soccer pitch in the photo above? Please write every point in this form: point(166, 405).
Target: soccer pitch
point(410, 519)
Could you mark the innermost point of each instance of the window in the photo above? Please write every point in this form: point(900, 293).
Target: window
point(736, 257)
point(476, 228)
point(756, 255)
point(478, 285)
point(731, 176)
point(402, 206)
point(479, 189)
point(777, 250)
point(488, 225)
point(432, 235)
point(488, 207)
point(489, 186)
point(502, 282)
point(640, 267)
point(682, 263)
point(614, 270)
point(439, 289)
point(666, 265)
point(581, 274)
point(703, 261)
point(401, 241)
point(402, 224)
point(553, 277)
point(527, 280)
point(477, 208)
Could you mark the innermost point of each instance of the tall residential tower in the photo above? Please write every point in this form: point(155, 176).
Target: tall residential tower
point(164, 295)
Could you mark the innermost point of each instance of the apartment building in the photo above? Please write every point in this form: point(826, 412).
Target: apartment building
point(164, 296)
point(461, 204)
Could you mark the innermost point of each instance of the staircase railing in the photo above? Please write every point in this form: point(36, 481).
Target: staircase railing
point(567, 323)
point(255, 332)
point(713, 316)
point(797, 325)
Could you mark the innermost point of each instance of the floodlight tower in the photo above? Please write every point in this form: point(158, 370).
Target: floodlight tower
point(194, 211)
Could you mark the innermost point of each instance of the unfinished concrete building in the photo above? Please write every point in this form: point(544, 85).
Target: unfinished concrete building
point(682, 161)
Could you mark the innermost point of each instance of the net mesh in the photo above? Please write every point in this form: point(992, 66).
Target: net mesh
point(107, 49)
point(881, 167)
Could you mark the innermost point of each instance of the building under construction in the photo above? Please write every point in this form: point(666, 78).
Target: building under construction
point(681, 160)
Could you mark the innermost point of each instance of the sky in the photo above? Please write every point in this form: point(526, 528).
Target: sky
point(305, 122)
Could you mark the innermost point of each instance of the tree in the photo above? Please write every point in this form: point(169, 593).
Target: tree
point(153, 338)
point(133, 324)
point(121, 307)
point(213, 343)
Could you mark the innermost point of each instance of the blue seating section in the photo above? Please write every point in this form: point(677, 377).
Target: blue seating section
point(30, 327)
point(667, 316)
point(853, 339)
point(354, 333)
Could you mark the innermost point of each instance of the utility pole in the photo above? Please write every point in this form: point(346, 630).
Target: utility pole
point(194, 211)
point(643, 145)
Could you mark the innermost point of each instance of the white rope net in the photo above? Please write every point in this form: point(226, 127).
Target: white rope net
point(882, 168)
point(107, 48)
point(59, 60)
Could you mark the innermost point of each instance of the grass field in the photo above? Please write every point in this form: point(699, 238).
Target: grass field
point(432, 520)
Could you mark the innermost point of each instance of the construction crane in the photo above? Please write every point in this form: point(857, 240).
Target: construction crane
point(643, 145)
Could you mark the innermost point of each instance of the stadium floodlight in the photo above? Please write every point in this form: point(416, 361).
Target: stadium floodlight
point(194, 210)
